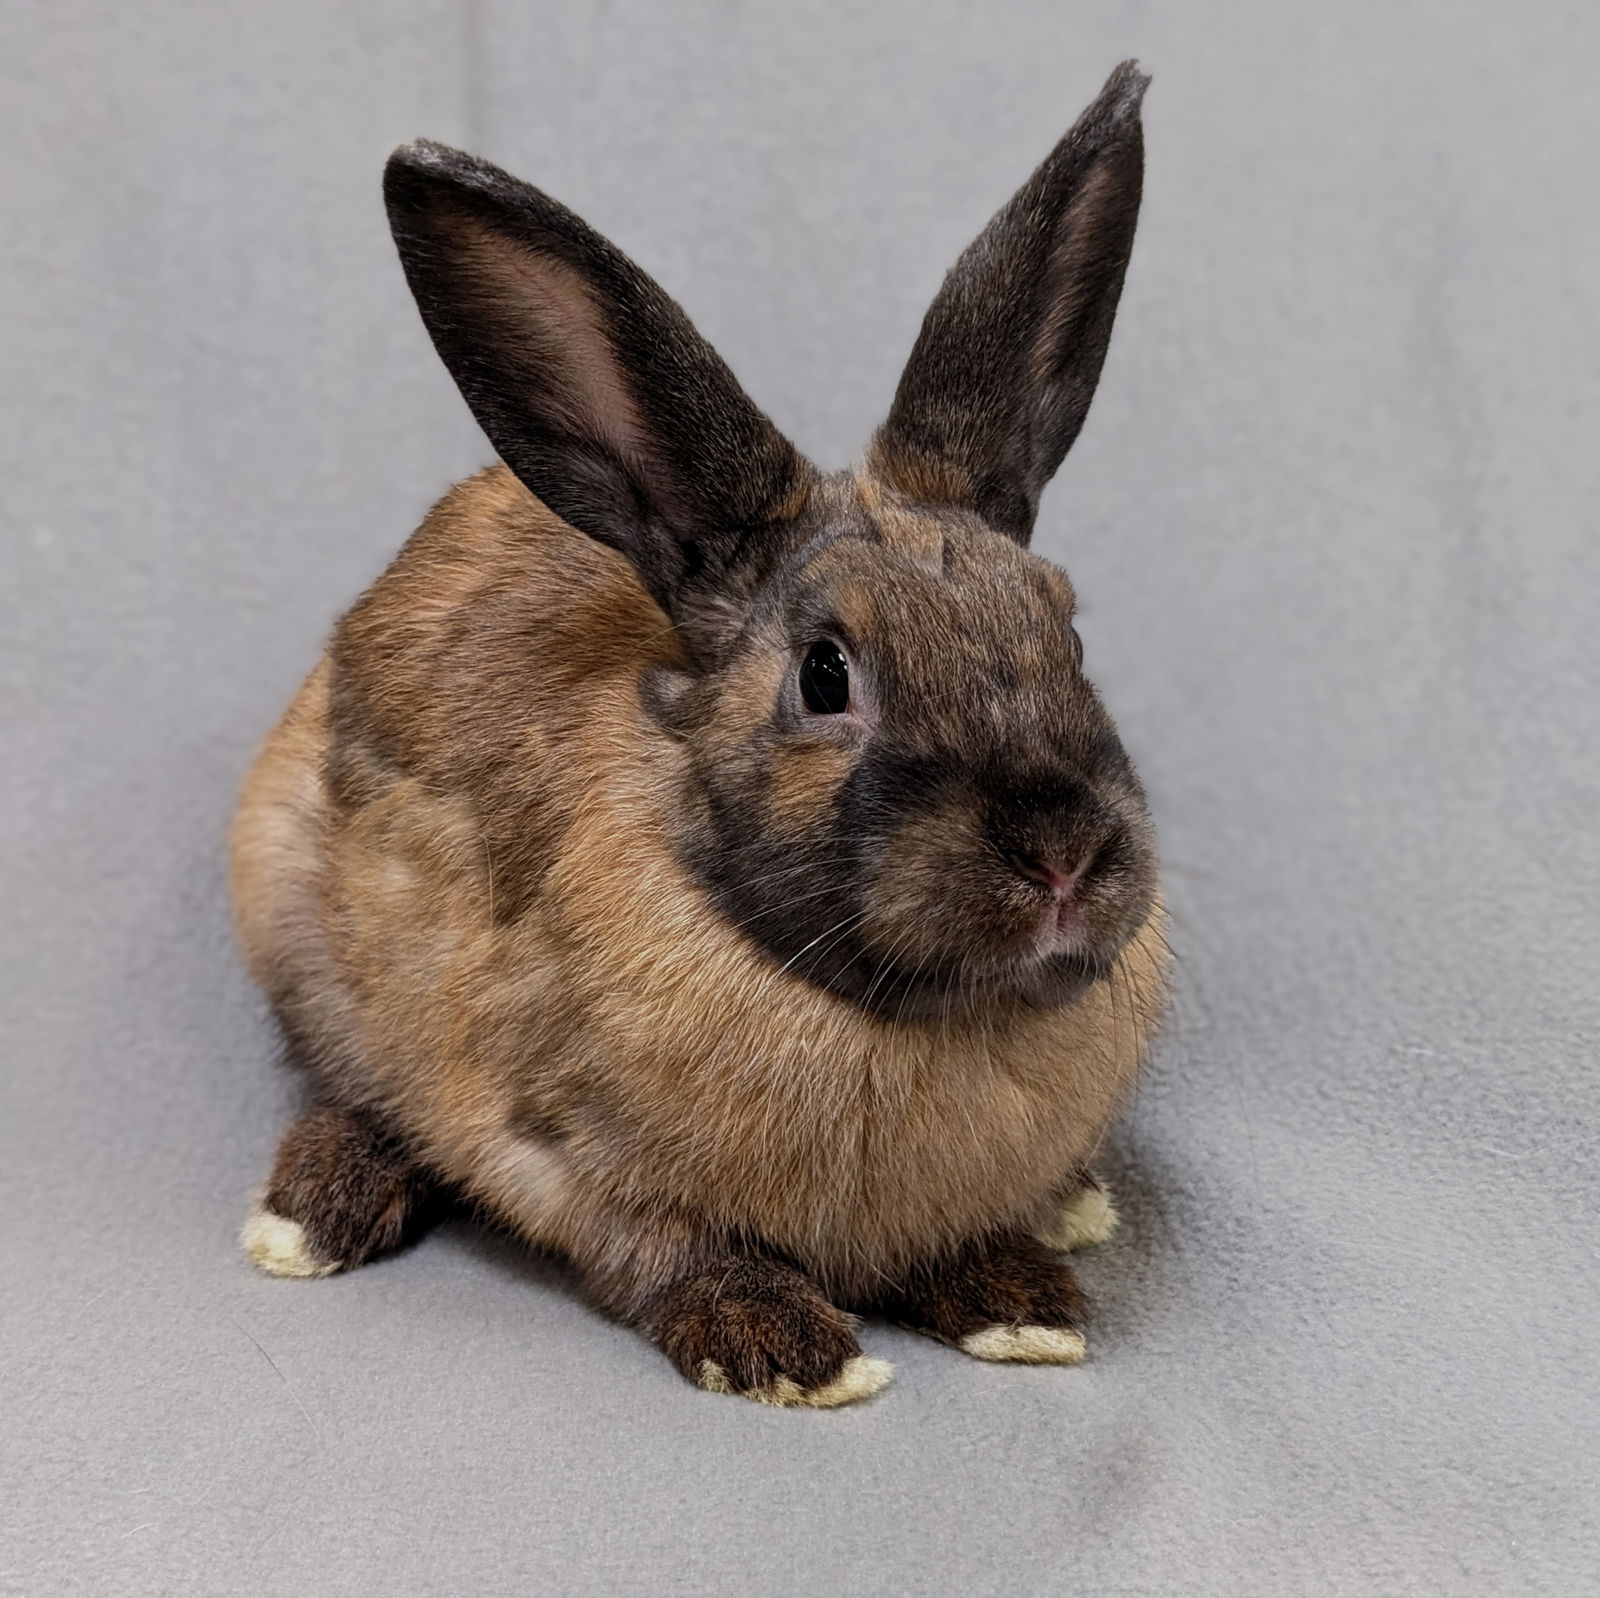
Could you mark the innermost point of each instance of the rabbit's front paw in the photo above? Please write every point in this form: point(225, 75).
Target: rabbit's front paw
point(999, 1298)
point(753, 1327)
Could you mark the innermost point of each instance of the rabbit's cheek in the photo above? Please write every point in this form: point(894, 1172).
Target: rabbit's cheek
point(930, 898)
point(743, 707)
point(803, 782)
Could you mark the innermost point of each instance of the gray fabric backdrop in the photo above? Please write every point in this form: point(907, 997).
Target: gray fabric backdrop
point(1333, 519)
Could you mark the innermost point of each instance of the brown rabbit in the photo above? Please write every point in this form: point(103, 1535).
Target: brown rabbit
point(720, 872)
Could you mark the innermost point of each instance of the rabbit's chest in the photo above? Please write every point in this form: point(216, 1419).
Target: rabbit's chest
point(868, 1161)
point(713, 1080)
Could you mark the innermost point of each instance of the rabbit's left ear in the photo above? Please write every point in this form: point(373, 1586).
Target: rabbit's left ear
point(1010, 352)
point(591, 383)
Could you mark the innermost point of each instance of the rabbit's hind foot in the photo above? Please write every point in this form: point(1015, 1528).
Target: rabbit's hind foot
point(1004, 1297)
point(1085, 1218)
point(340, 1192)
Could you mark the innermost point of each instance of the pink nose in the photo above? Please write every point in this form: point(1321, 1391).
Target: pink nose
point(1047, 874)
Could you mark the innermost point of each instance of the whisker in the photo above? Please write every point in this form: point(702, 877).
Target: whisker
point(788, 904)
point(848, 921)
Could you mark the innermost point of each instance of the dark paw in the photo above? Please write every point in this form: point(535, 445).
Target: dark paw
point(754, 1327)
point(1004, 1298)
point(339, 1193)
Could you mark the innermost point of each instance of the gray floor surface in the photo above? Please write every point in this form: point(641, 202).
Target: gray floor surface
point(1334, 520)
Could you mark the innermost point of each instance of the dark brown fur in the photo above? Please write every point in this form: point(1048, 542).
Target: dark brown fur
point(756, 1321)
point(1009, 1281)
point(354, 1190)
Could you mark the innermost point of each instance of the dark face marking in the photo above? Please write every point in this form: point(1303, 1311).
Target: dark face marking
point(971, 830)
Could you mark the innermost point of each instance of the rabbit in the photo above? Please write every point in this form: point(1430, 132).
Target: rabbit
point(719, 872)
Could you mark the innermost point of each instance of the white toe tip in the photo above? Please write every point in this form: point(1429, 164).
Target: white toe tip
point(1028, 1345)
point(279, 1246)
point(713, 1378)
point(860, 1378)
point(1087, 1218)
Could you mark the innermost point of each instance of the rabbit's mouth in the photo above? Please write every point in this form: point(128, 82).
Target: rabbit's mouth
point(946, 994)
point(1039, 945)
point(1062, 929)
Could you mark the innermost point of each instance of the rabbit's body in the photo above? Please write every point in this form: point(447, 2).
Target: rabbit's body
point(722, 872)
point(573, 1033)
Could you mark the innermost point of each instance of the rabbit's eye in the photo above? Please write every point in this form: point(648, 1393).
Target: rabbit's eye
point(825, 680)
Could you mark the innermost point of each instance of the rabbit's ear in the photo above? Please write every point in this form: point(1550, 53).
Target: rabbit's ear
point(1002, 373)
point(590, 382)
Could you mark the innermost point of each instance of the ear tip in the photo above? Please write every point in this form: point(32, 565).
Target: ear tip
point(426, 158)
point(1124, 90)
point(420, 176)
point(424, 168)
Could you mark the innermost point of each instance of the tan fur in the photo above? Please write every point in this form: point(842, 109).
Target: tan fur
point(915, 534)
point(803, 777)
point(794, 503)
point(687, 1084)
point(280, 834)
point(931, 479)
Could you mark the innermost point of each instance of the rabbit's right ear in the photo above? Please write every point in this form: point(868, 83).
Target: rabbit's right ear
point(591, 383)
point(1001, 376)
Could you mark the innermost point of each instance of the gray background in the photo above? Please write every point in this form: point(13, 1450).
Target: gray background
point(1333, 519)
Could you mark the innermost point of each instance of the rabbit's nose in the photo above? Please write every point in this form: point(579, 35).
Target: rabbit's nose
point(1059, 877)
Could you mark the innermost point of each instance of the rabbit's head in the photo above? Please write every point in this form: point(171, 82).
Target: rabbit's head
point(895, 776)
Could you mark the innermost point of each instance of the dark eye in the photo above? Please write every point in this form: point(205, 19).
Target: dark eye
point(825, 680)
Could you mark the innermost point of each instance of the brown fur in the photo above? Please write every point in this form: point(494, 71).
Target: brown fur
point(756, 1321)
point(929, 478)
point(914, 533)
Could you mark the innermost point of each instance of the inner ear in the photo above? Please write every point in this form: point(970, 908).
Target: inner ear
point(531, 347)
point(543, 304)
